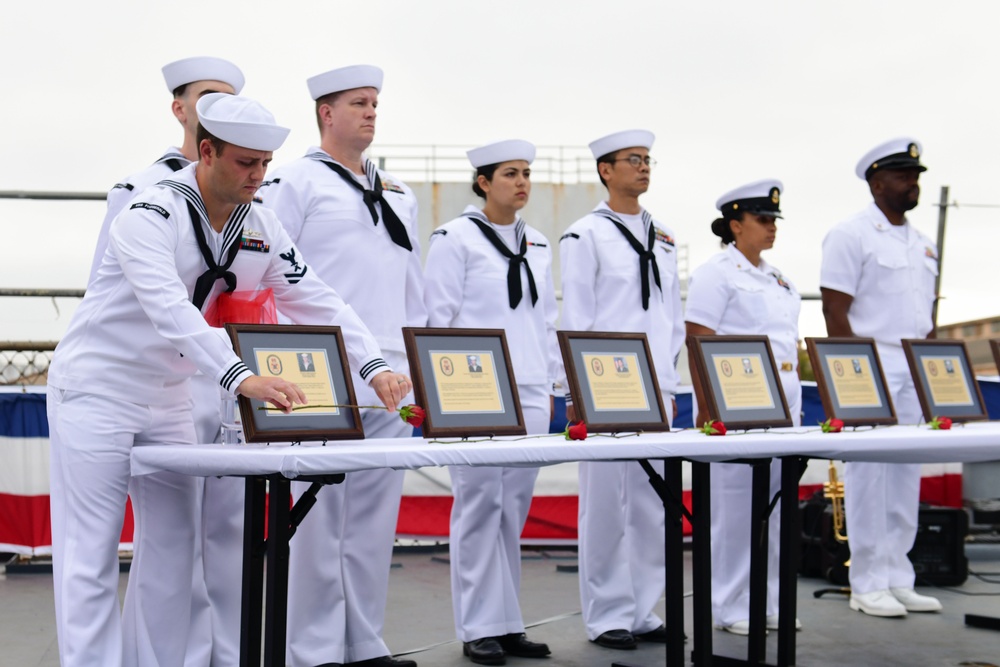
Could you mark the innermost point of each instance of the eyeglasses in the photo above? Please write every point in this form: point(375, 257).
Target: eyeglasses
point(637, 161)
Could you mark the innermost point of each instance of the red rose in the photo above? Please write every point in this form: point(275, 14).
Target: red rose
point(577, 431)
point(713, 427)
point(941, 423)
point(413, 415)
point(832, 425)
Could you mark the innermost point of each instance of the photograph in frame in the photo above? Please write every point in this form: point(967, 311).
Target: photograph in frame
point(738, 381)
point(312, 357)
point(850, 381)
point(612, 381)
point(943, 378)
point(464, 381)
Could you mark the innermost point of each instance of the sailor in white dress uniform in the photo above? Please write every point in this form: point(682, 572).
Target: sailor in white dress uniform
point(738, 293)
point(619, 273)
point(877, 279)
point(215, 602)
point(357, 226)
point(119, 379)
point(487, 269)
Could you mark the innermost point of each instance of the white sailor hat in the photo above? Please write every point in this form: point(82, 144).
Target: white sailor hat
point(619, 140)
point(900, 153)
point(240, 121)
point(760, 198)
point(345, 78)
point(202, 68)
point(502, 151)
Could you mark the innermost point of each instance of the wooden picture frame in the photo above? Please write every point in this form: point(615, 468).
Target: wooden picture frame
point(943, 377)
point(850, 380)
point(464, 381)
point(995, 347)
point(613, 381)
point(741, 386)
point(312, 357)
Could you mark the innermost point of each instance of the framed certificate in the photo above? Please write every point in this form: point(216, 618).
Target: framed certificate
point(464, 381)
point(944, 380)
point(314, 359)
point(995, 347)
point(850, 381)
point(738, 381)
point(612, 381)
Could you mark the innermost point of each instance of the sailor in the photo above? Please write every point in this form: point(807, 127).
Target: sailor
point(119, 379)
point(619, 273)
point(357, 225)
point(215, 603)
point(737, 292)
point(877, 280)
point(488, 269)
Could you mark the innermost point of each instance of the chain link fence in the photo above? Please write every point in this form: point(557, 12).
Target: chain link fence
point(25, 363)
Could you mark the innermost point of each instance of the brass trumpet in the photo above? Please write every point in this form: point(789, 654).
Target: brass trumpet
point(834, 491)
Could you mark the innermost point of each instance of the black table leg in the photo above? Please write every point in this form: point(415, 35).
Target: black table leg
point(761, 497)
point(701, 563)
point(253, 571)
point(276, 611)
point(791, 545)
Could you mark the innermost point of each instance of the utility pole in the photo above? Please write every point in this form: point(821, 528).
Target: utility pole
point(942, 218)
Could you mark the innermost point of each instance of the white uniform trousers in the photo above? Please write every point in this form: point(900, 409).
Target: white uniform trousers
point(732, 487)
point(340, 559)
point(91, 439)
point(214, 638)
point(881, 500)
point(490, 507)
point(621, 546)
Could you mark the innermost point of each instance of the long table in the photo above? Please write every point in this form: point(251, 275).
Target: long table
point(281, 463)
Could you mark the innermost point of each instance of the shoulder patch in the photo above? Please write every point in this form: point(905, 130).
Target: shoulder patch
point(123, 186)
point(442, 232)
point(569, 235)
point(151, 207)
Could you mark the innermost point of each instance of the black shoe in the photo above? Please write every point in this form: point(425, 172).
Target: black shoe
point(618, 639)
point(658, 635)
point(517, 644)
point(485, 651)
point(384, 661)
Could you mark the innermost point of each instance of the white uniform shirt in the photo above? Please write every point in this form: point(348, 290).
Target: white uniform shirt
point(466, 287)
point(137, 336)
point(328, 218)
point(124, 192)
point(890, 275)
point(731, 296)
point(602, 289)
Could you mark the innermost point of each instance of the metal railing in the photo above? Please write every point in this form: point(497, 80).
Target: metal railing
point(25, 362)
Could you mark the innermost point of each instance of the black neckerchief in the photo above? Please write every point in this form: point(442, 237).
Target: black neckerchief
point(647, 256)
point(232, 233)
point(393, 225)
point(514, 267)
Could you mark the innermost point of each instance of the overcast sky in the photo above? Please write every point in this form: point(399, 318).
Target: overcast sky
point(734, 91)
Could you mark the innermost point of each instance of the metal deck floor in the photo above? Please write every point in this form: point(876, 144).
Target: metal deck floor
point(419, 621)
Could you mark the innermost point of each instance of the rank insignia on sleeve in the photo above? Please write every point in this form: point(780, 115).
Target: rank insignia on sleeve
point(569, 235)
point(151, 207)
point(663, 237)
point(297, 270)
point(442, 232)
point(123, 186)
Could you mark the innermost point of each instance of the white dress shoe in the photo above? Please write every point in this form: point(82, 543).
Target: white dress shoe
point(914, 601)
point(771, 623)
point(741, 628)
point(877, 603)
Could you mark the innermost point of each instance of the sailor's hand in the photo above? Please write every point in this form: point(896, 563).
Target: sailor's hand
point(279, 393)
point(570, 413)
point(391, 388)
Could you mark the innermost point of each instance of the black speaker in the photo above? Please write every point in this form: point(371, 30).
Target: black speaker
point(938, 553)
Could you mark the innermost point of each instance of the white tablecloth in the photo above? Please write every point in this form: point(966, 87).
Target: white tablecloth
point(894, 444)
